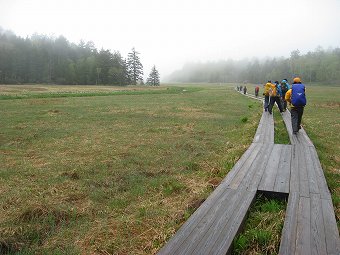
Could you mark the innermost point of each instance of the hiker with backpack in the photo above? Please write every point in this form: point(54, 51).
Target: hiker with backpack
point(284, 88)
point(275, 97)
point(296, 97)
point(267, 87)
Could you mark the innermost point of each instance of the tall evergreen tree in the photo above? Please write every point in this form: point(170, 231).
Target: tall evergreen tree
point(153, 78)
point(134, 67)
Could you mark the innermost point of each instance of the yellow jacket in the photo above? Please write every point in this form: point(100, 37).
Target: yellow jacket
point(272, 90)
point(288, 96)
point(267, 87)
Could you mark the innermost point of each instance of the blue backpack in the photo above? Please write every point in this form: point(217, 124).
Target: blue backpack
point(298, 95)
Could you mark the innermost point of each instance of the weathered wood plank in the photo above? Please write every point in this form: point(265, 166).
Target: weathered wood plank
point(321, 181)
point(268, 178)
point(301, 137)
point(312, 176)
point(253, 178)
point(331, 230)
point(224, 228)
point(245, 168)
point(303, 236)
point(223, 243)
point(217, 198)
point(265, 131)
point(283, 174)
point(233, 172)
point(318, 239)
point(288, 237)
point(209, 222)
point(302, 169)
point(294, 171)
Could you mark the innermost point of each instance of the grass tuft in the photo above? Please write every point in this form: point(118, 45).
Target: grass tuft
point(244, 119)
point(263, 227)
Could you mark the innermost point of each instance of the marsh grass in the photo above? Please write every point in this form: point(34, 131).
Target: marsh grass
point(281, 134)
point(262, 231)
point(121, 173)
point(114, 173)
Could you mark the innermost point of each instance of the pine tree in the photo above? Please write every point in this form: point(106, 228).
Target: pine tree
point(153, 79)
point(135, 67)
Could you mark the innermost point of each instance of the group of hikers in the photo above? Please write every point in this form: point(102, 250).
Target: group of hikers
point(242, 89)
point(281, 93)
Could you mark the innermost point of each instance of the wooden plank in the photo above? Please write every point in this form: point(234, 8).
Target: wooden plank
point(209, 222)
point(224, 226)
point(302, 169)
point(268, 178)
point(303, 233)
point(259, 130)
point(271, 129)
point(251, 182)
point(288, 236)
point(321, 180)
point(283, 174)
point(287, 120)
point(294, 171)
point(331, 230)
point(265, 130)
point(223, 243)
point(301, 137)
point(318, 239)
point(245, 168)
point(233, 172)
point(217, 198)
point(312, 176)
point(304, 138)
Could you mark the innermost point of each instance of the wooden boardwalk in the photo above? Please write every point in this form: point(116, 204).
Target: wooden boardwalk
point(289, 170)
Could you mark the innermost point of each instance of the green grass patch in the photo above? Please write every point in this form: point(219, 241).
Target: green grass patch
point(280, 131)
point(167, 90)
point(263, 227)
point(130, 167)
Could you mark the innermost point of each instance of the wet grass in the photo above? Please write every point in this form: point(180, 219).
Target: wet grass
point(114, 174)
point(263, 227)
point(281, 134)
point(120, 174)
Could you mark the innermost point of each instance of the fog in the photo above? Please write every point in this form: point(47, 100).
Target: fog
point(170, 33)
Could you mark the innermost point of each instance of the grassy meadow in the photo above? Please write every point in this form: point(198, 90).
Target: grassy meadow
point(112, 170)
point(112, 174)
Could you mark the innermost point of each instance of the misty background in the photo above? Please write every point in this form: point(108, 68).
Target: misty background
point(196, 41)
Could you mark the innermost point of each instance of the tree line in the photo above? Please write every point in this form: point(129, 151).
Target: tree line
point(316, 66)
point(44, 59)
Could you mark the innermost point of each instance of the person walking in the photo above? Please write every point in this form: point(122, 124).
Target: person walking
point(296, 96)
point(284, 88)
point(257, 89)
point(245, 90)
point(275, 97)
point(267, 87)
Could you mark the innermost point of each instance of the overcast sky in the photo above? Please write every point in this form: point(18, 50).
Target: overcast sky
point(169, 33)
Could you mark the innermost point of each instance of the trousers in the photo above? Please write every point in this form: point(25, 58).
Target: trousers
point(272, 102)
point(296, 115)
point(266, 102)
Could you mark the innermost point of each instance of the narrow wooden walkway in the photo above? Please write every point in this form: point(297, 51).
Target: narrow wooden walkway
point(292, 170)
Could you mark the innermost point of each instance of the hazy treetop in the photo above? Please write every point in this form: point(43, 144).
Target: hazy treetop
point(169, 33)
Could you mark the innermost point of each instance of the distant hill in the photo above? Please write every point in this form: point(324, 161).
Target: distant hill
point(322, 66)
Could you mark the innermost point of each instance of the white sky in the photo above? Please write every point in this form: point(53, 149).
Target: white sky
point(169, 33)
